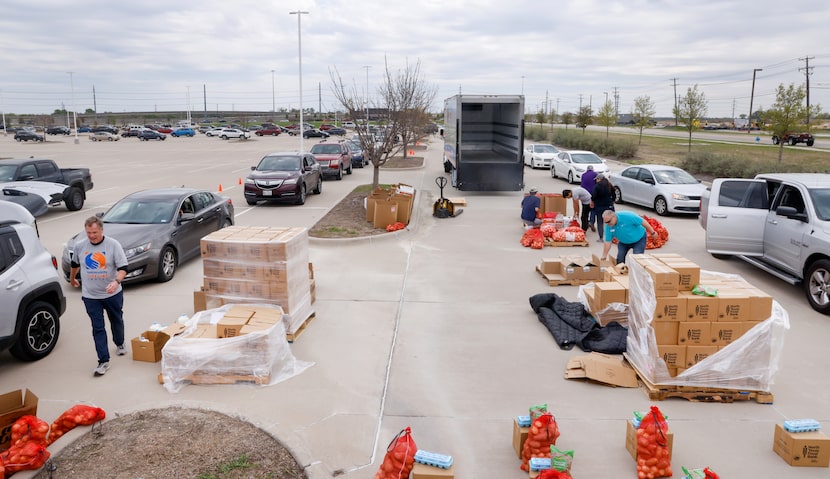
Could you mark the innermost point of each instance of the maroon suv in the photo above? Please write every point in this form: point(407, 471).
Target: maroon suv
point(286, 176)
point(269, 130)
point(334, 159)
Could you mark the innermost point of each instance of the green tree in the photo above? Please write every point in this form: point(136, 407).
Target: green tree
point(643, 113)
point(788, 114)
point(584, 117)
point(540, 116)
point(690, 109)
point(607, 116)
point(567, 118)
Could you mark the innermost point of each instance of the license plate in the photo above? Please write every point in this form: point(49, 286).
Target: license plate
point(266, 192)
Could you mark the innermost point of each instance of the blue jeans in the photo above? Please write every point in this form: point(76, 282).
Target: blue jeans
point(95, 309)
point(639, 248)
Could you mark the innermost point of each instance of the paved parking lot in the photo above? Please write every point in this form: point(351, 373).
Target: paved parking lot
point(429, 328)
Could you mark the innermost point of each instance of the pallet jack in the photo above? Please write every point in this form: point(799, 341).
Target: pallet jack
point(444, 208)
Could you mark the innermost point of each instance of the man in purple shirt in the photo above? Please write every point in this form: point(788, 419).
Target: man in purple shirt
point(588, 181)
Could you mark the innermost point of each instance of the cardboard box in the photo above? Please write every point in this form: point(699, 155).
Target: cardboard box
point(666, 280)
point(733, 304)
point(803, 449)
point(583, 267)
point(670, 309)
point(374, 197)
point(689, 274)
point(203, 331)
point(404, 207)
point(700, 308)
point(386, 213)
point(14, 405)
point(609, 292)
point(199, 300)
point(519, 437)
point(554, 202)
point(665, 332)
point(604, 368)
point(697, 333)
point(760, 305)
point(696, 353)
point(422, 471)
point(150, 350)
point(631, 440)
point(674, 355)
point(724, 332)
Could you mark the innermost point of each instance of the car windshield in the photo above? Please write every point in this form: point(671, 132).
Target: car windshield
point(674, 177)
point(546, 149)
point(586, 158)
point(279, 163)
point(144, 211)
point(821, 201)
point(325, 149)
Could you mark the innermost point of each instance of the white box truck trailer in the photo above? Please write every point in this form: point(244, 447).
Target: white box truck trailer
point(483, 141)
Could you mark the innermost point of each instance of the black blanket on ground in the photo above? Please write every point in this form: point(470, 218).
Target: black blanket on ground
point(571, 325)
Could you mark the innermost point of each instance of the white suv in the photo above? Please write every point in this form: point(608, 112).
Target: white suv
point(30, 290)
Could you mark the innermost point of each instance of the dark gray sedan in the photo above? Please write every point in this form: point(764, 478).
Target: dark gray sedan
point(159, 229)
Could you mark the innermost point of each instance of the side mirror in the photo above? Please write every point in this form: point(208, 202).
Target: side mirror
point(253, 168)
point(27, 177)
point(100, 214)
point(649, 181)
point(791, 213)
point(185, 217)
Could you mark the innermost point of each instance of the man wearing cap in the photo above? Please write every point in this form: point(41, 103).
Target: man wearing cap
point(588, 181)
point(629, 229)
point(530, 208)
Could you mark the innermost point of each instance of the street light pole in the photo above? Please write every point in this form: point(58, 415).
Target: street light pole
point(752, 97)
point(366, 125)
point(300, 14)
point(273, 97)
point(5, 131)
point(74, 115)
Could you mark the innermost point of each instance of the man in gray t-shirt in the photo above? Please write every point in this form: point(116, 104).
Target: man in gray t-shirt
point(582, 204)
point(102, 265)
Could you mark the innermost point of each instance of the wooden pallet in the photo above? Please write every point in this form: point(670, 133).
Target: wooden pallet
point(560, 282)
point(223, 379)
point(660, 393)
point(291, 337)
point(566, 243)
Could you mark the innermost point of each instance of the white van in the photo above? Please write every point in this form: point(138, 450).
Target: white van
point(349, 124)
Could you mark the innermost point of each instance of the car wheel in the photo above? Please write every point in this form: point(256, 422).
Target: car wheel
point(94, 139)
point(811, 142)
point(793, 141)
point(660, 206)
point(817, 286)
point(775, 140)
point(319, 187)
point(167, 264)
point(39, 332)
point(570, 177)
point(227, 222)
point(272, 134)
point(617, 195)
point(109, 139)
point(250, 202)
point(75, 199)
point(349, 171)
point(224, 137)
point(339, 174)
point(721, 256)
point(301, 196)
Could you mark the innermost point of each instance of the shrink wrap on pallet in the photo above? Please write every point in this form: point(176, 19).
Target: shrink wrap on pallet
point(261, 357)
point(748, 363)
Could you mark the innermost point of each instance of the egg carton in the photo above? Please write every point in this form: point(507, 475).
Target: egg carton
point(801, 425)
point(523, 421)
point(539, 463)
point(433, 459)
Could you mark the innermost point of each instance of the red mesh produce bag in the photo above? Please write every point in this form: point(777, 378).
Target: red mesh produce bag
point(400, 457)
point(541, 436)
point(553, 474)
point(653, 447)
point(533, 238)
point(662, 234)
point(29, 428)
point(78, 415)
point(26, 457)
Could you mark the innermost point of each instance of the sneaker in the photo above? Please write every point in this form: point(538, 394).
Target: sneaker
point(102, 368)
point(593, 228)
point(121, 350)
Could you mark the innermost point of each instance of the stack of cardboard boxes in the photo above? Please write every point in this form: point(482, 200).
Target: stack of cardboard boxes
point(392, 205)
point(260, 265)
point(573, 269)
point(688, 327)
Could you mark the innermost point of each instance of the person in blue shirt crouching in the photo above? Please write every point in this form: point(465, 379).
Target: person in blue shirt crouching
point(631, 231)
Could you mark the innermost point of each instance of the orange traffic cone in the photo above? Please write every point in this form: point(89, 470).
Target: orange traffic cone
point(240, 181)
point(220, 187)
point(411, 152)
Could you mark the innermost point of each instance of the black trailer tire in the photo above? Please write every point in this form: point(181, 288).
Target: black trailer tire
point(75, 199)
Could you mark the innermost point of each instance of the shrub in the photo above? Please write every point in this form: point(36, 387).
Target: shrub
point(725, 166)
point(576, 140)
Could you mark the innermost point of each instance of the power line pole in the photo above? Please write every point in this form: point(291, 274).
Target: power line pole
point(751, 98)
point(807, 72)
point(617, 101)
point(674, 81)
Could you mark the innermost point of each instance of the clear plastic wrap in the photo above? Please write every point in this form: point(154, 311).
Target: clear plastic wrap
point(262, 357)
point(748, 363)
point(613, 312)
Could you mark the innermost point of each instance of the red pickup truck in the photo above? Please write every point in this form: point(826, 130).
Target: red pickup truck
point(794, 139)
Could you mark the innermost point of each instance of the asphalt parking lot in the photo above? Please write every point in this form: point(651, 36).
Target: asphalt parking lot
point(428, 328)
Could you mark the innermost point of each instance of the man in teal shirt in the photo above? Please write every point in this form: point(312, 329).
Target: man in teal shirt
point(630, 230)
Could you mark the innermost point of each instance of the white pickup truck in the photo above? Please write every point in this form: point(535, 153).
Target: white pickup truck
point(778, 222)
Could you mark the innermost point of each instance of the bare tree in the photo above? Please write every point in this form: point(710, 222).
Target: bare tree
point(690, 109)
point(607, 116)
point(404, 98)
point(788, 114)
point(643, 113)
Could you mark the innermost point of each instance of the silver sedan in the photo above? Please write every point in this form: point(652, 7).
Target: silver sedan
point(666, 189)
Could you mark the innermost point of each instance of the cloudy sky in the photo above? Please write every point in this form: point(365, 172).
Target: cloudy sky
point(153, 55)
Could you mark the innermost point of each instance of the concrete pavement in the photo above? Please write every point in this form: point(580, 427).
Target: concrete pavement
point(431, 328)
